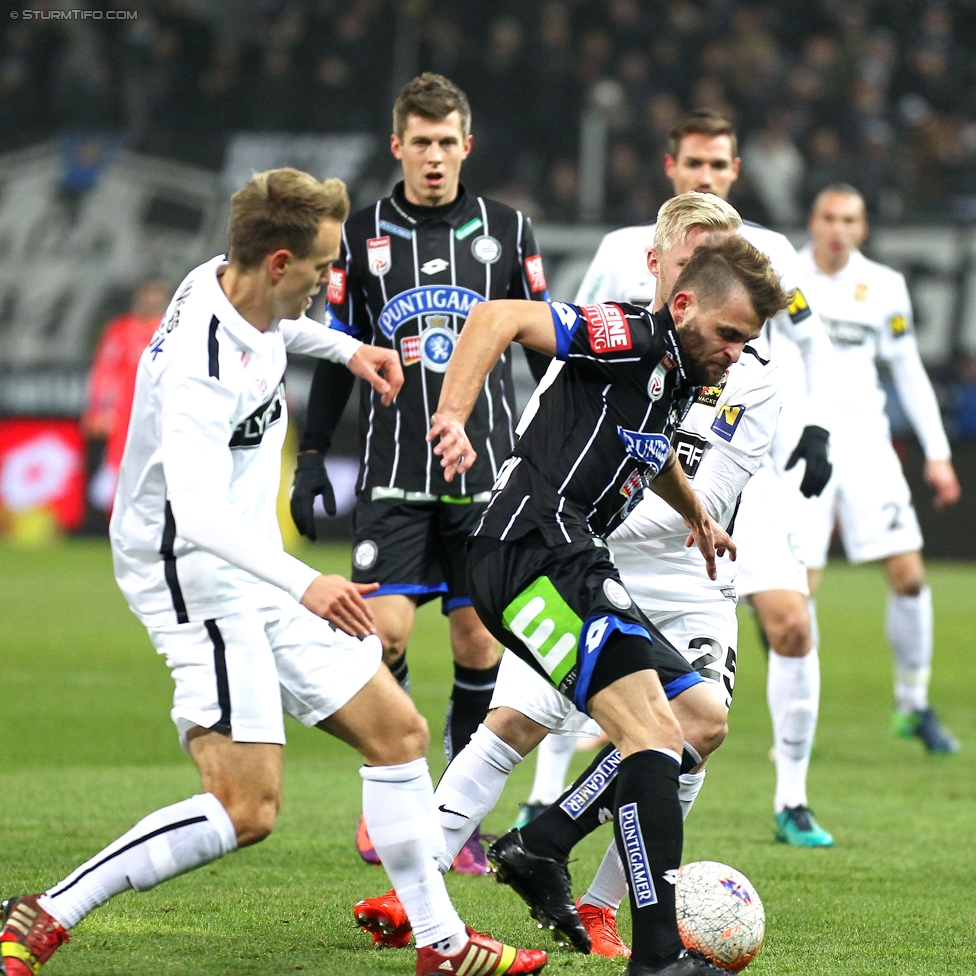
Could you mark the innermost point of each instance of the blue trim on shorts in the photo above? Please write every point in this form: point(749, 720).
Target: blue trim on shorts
point(454, 603)
point(410, 589)
point(674, 688)
point(590, 655)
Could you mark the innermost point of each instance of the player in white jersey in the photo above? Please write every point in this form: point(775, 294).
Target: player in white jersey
point(721, 444)
point(868, 315)
point(243, 625)
point(703, 157)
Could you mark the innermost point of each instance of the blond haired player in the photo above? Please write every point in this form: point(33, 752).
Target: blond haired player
point(245, 627)
point(868, 315)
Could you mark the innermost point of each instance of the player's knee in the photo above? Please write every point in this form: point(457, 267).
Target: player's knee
point(393, 650)
point(709, 728)
point(789, 634)
point(408, 741)
point(515, 729)
point(909, 586)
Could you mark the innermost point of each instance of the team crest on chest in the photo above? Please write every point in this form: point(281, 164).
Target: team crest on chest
point(486, 249)
point(437, 343)
point(379, 256)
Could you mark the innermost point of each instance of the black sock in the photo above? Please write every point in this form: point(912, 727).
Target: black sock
point(649, 835)
point(400, 671)
point(588, 803)
point(473, 688)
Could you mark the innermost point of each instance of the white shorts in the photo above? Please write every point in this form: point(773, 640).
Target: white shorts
point(706, 635)
point(769, 555)
point(870, 499)
point(235, 674)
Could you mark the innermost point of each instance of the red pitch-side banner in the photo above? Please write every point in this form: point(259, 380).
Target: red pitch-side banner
point(42, 465)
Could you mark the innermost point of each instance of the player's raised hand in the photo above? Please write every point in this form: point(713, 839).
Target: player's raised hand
point(336, 599)
point(452, 445)
point(380, 368)
point(941, 475)
point(712, 540)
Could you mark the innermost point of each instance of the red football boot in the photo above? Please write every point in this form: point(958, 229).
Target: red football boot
point(29, 936)
point(482, 955)
point(385, 920)
point(364, 845)
point(601, 926)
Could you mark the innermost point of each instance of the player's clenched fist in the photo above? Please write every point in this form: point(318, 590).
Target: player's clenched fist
point(341, 602)
point(452, 445)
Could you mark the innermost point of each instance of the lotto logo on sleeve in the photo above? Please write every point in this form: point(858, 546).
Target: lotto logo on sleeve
point(727, 419)
point(336, 291)
point(609, 331)
point(535, 274)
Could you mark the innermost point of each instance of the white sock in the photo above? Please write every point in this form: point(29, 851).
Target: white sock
point(909, 629)
point(167, 843)
point(793, 694)
point(552, 760)
point(609, 886)
point(398, 804)
point(470, 788)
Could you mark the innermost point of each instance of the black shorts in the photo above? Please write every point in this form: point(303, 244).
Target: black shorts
point(416, 548)
point(556, 607)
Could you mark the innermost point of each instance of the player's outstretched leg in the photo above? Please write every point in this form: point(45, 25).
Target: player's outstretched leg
point(165, 844)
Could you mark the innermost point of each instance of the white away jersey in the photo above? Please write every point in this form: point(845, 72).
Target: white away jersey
point(867, 312)
point(720, 444)
point(202, 459)
point(794, 340)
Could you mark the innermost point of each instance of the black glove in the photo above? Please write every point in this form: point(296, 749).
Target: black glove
point(311, 479)
point(812, 448)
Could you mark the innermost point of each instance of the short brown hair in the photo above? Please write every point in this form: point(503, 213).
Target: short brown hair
point(702, 122)
point(282, 208)
point(714, 269)
point(431, 97)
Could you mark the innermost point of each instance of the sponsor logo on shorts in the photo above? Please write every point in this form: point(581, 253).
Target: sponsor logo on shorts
point(590, 789)
point(727, 419)
point(799, 307)
point(336, 291)
point(486, 249)
point(535, 273)
point(609, 331)
point(379, 258)
point(396, 230)
point(641, 882)
point(616, 593)
point(365, 554)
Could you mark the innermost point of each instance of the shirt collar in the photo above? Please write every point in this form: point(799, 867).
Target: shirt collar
point(665, 322)
point(447, 213)
point(228, 316)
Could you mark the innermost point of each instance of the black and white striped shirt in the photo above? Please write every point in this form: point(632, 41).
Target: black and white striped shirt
point(602, 430)
point(406, 279)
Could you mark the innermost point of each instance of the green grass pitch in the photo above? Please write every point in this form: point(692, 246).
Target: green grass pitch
point(88, 749)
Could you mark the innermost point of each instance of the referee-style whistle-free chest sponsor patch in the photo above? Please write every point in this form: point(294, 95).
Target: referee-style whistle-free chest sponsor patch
point(799, 307)
point(608, 327)
point(727, 419)
point(651, 449)
point(250, 432)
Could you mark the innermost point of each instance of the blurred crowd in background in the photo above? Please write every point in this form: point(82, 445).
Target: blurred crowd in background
point(878, 92)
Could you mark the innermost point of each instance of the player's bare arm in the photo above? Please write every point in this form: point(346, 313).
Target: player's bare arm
point(380, 368)
point(673, 486)
point(941, 475)
point(490, 329)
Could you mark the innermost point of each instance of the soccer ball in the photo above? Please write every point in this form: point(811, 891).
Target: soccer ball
point(720, 914)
